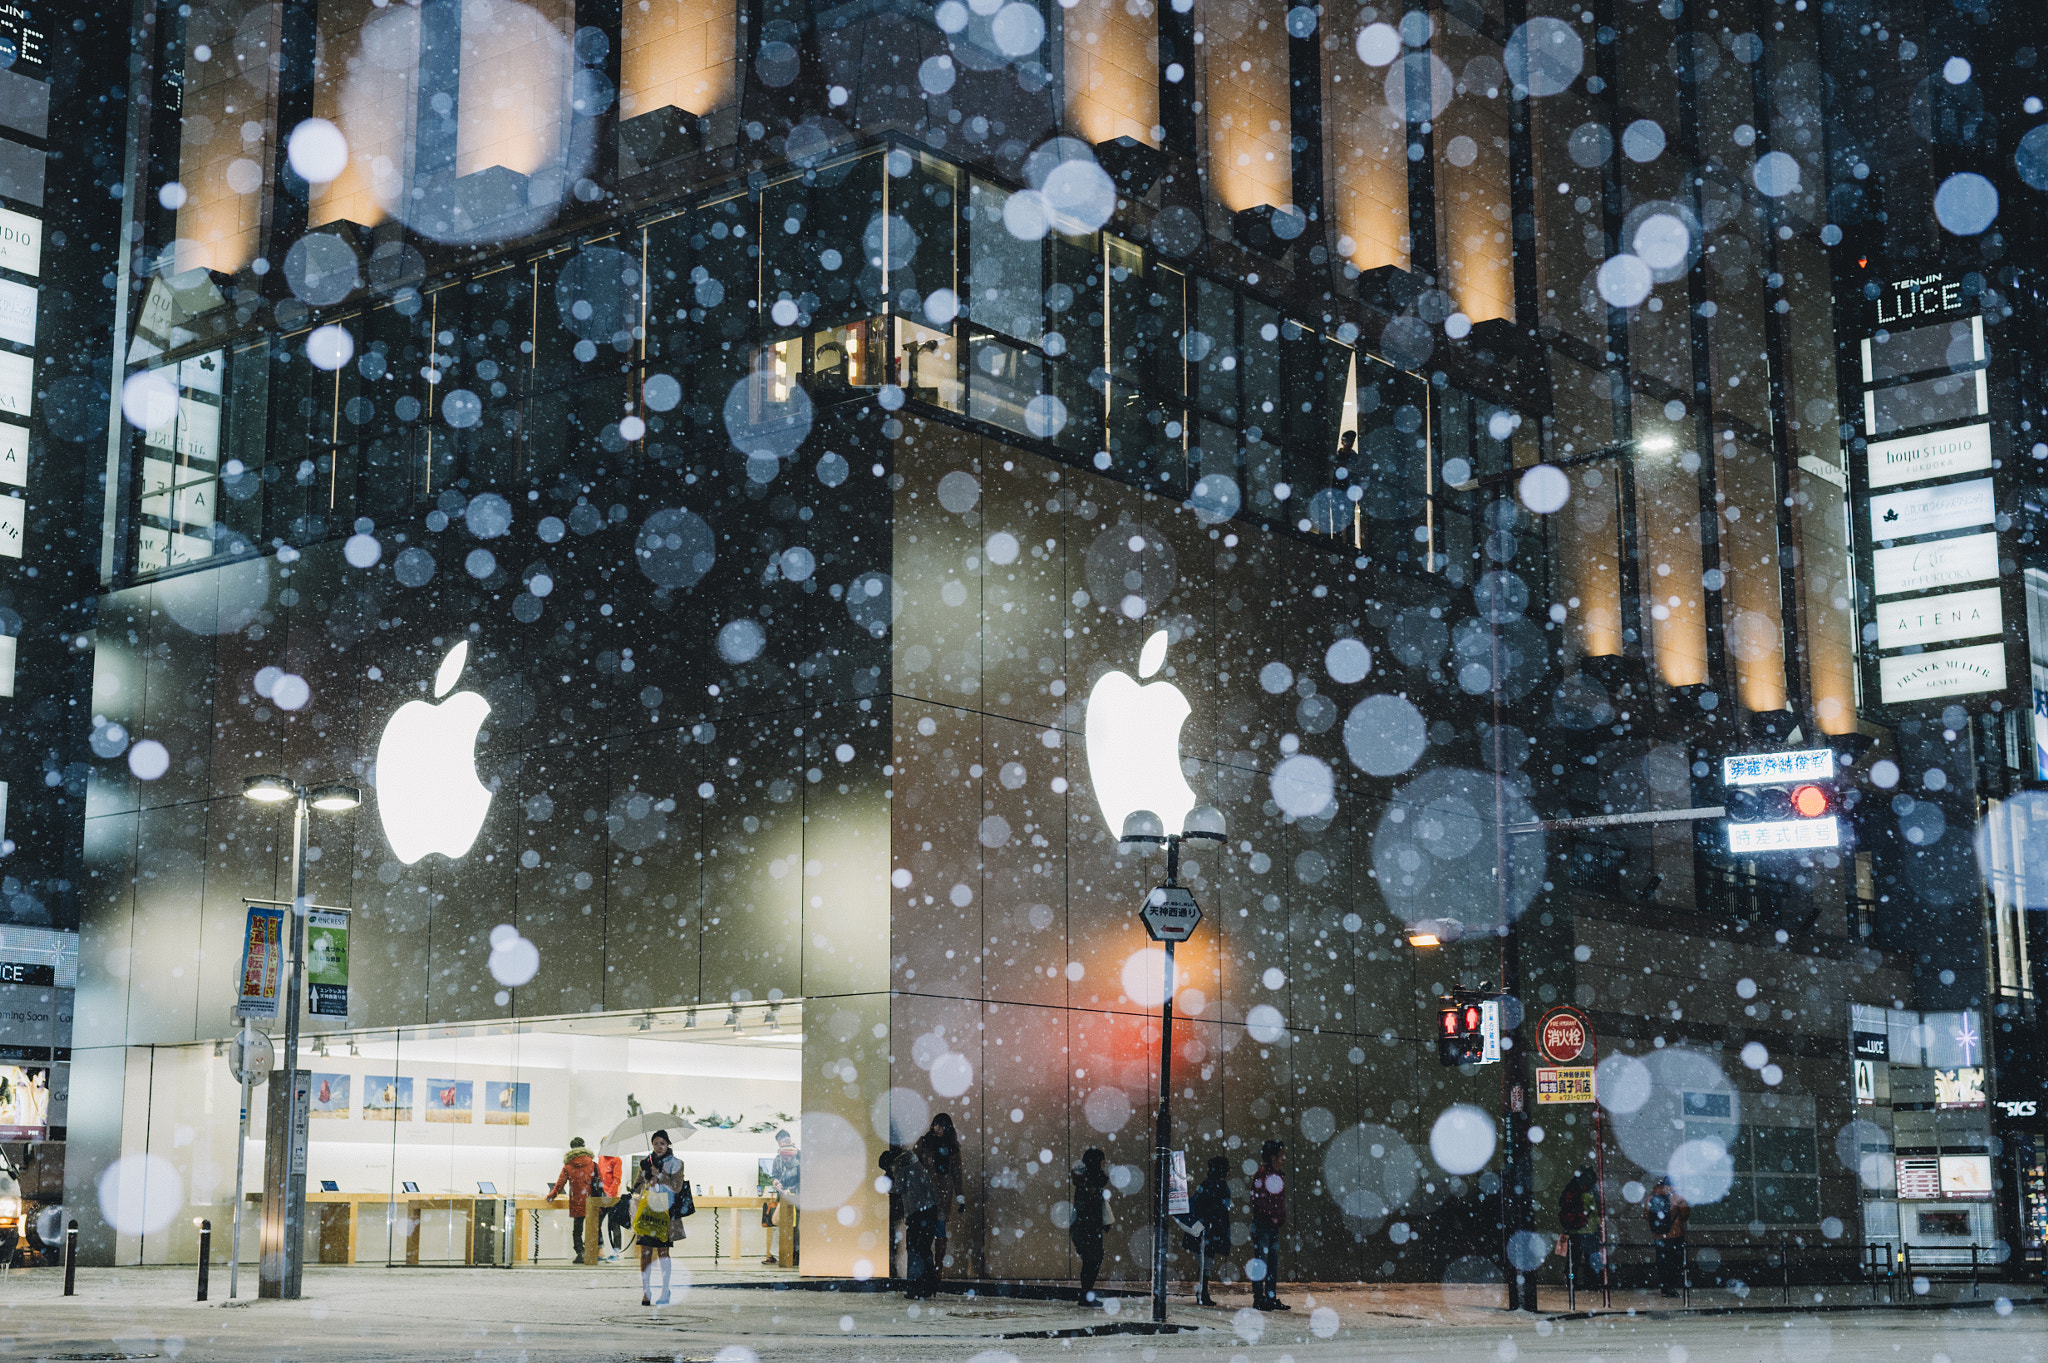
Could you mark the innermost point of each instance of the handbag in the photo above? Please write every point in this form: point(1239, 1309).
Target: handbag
point(685, 1202)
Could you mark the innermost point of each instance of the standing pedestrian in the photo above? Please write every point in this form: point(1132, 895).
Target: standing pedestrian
point(655, 1228)
point(912, 1177)
point(939, 1148)
point(1209, 1210)
point(579, 1174)
point(1269, 1214)
point(1667, 1214)
point(1578, 1209)
point(1091, 1218)
point(785, 1176)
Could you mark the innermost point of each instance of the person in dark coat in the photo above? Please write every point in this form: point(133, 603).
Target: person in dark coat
point(580, 1176)
point(1269, 1216)
point(1091, 1191)
point(912, 1176)
point(1578, 1213)
point(1209, 1212)
point(1667, 1212)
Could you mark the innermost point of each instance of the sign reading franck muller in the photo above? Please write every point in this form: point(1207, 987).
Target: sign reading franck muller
point(1936, 573)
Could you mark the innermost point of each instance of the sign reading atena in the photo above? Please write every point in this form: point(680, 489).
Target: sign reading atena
point(1565, 1035)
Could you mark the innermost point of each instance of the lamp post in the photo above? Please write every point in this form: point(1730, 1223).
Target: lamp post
point(284, 1186)
point(1168, 918)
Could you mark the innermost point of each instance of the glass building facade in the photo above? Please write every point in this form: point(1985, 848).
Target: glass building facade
point(1577, 464)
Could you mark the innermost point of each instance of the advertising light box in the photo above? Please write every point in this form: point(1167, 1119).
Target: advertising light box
point(1784, 835)
point(1951, 672)
point(17, 383)
point(1937, 454)
point(17, 312)
point(1930, 567)
point(1932, 510)
point(1940, 619)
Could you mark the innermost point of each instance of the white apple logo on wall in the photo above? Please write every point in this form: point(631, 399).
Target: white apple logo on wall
point(427, 792)
point(1133, 737)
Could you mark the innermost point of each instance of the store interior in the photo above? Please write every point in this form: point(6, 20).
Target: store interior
point(421, 1137)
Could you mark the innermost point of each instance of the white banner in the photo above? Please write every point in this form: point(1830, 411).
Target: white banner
point(1931, 510)
point(1951, 672)
point(1940, 619)
point(1937, 454)
point(1930, 567)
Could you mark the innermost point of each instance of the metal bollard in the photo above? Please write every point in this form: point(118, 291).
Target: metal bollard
point(205, 1254)
point(71, 1260)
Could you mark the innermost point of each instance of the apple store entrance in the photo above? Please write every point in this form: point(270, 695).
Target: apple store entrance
point(438, 1145)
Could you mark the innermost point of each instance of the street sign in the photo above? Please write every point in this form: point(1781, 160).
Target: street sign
point(255, 1060)
point(1170, 913)
point(1566, 1084)
point(1489, 1032)
point(327, 962)
point(262, 963)
point(1565, 1035)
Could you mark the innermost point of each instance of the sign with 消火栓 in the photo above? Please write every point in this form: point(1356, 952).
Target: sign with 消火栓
point(1949, 672)
point(1940, 619)
point(1935, 564)
point(1932, 510)
point(1936, 454)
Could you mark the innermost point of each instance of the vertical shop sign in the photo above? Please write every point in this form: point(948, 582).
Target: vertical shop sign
point(262, 974)
point(327, 962)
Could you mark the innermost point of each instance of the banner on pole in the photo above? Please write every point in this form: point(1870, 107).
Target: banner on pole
point(262, 963)
point(1177, 1183)
point(327, 962)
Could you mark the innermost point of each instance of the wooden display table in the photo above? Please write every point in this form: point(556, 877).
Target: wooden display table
point(739, 1207)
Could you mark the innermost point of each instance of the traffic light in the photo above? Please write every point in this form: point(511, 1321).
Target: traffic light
point(1780, 802)
point(1460, 1038)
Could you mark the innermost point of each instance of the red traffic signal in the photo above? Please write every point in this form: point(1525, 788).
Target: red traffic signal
point(1809, 802)
point(1458, 1038)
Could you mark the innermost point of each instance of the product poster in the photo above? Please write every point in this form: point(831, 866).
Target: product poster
point(330, 1097)
point(24, 1103)
point(1177, 1184)
point(387, 1098)
point(262, 962)
point(327, 962)
point(448, 1100)
point(506, 1104)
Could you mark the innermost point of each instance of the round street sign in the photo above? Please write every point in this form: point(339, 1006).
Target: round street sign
point(257, 1059)
point(1565, 1036)
point(1170, 913)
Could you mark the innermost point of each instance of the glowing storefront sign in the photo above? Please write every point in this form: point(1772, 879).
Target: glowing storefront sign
point(1932, 510)
point(1942, 563)
point(1936, 454)
point(1769, 768)
point(21, 242)
point(1940, 619)
point(1951, 672)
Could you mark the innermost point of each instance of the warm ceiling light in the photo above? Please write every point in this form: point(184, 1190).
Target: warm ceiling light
point(1657, 444)
point(1424, 939)
point(336, 797)
point(268, 789)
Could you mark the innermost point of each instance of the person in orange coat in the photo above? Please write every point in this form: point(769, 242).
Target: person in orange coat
point(579, 1174)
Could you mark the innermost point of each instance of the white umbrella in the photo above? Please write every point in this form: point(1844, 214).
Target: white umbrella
point(632, 1133)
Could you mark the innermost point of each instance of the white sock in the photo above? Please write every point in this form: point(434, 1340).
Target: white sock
point(666, 1263)
point(646, 1280)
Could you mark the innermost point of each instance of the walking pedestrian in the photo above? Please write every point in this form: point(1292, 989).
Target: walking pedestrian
point(1092, 1216)
point(1578, 1209)
point(939, 1148)
point(580, 1175)
point(1209, 1210)
point(1667, 1212)
point(1269, 1215)
point(655, 1226)
point(912, 1177)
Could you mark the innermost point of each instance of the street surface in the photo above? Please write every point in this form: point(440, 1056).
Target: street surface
point(529, 1316)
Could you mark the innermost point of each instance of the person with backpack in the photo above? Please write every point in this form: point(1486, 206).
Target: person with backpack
point(1209, 1215)
point(580, 1175)
point(1667, 1212)
point(1091, 1218)
point(1269, 1216)
point(1578, 1212)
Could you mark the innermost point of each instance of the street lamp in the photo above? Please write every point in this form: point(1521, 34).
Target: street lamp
point(1169, 917)
point(284, 1185)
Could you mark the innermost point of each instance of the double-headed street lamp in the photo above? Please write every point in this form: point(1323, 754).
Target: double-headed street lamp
point(1170, 916)
point(284, 1184)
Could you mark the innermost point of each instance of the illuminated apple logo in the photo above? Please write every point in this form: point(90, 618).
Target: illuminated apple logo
point(1133, 736)
point(427, 792)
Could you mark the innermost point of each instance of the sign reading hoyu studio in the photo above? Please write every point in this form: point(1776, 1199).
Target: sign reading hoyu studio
point(1938, 594)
